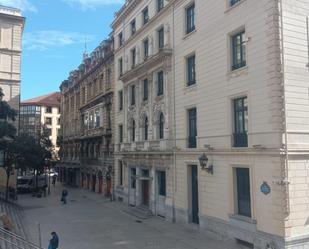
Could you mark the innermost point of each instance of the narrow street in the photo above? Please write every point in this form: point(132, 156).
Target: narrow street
point(90, 222)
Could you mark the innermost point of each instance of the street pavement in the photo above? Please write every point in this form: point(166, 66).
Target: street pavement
point(88, 221)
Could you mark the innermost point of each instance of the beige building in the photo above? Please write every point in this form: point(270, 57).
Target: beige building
point(143, 120)
point(87, 122)
point(11, 29)
point(229, 134)
point(40, 113)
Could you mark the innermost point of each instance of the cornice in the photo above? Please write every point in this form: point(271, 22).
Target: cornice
point(125, 10)
point(142, 29)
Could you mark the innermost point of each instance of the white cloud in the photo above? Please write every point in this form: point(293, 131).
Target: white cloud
point(24, 5)
point(91, 4)
point(45, 39)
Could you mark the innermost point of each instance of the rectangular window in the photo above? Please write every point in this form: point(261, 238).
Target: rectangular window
point(108, 77)
point(120, 66)
point(243, 192)
point(120, 173)
point(160, 80)
point(120, 96)
point(145, 89)
point(48, 121)
point(133, 95)
point(161, 183)
point(48, 109)
point(191, 80)
point(238, 44)
point(161, 38)
point(145, 16)
point(133, 27)
point(192, 129)
point(97, 118)
point(58, 121)
point(120, 39)
point(133, 178)
point(241, 122)
point(233, 2)
point(146, 48)
point(120, 133)
point(160, 5)
point(133, 57)
point(190, 18)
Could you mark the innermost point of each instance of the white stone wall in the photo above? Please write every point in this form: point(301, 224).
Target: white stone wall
point(10, 54)
point(216, 87)
point(296, 79)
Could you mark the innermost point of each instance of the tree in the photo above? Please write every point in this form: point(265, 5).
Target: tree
point(7, 135)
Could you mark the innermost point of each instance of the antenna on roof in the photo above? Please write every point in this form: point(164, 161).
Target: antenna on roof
point(85, 54)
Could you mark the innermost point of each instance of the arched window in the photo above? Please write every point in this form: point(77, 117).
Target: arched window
point(133, 131)
point(146, 129)
point(161, 126)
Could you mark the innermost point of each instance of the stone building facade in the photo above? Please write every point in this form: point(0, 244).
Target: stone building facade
point(11, 29)
point(143, 90)
point(87, 122)
point(234, 146)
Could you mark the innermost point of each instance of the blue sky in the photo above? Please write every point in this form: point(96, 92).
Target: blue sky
point(54, 38)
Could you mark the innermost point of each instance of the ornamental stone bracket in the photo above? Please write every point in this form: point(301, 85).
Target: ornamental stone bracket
point(150, 62)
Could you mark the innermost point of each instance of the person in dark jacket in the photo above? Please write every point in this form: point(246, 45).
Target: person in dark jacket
point(64, 196)
point(54, 241)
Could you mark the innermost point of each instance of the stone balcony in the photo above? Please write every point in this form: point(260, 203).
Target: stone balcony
point(148, 62)
point(154, 145)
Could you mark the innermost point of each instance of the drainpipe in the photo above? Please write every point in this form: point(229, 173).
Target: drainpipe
point(174, 116)
point(285, 182)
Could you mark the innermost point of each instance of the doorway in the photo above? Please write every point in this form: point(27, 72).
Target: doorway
point(194, 194)
point(145, 188)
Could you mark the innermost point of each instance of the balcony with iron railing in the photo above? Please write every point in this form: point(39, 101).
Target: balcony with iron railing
point(240, 139)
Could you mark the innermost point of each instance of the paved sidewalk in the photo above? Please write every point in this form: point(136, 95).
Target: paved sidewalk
point(89, 221)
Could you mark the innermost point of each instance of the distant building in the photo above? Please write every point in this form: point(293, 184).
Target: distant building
point(39, 112)
point(11, 29)
point(86, 157)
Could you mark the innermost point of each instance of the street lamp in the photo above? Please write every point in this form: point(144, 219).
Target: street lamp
point(203, 163)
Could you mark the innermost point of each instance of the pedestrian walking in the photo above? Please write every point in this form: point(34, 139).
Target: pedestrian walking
point(64, 196)
point(54, 179)
point(54, 241)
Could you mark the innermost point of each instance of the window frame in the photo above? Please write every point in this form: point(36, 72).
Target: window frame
point(240, 138)
point(146, 51)
point(160, 5)
point(161, 38)
point(133, 27)
point(160, 179)
point(120, 130)
point(120, 98)
point(120, 39)
point(120, 66)
point(238, 48)
point(145, 89)
point(192, 27)
point(145, 14)
point(161, 126)
point(190, 82)
point(192, 141)
point(160, 83)
point(132, 95)
point(133, 57)
point(146, 127)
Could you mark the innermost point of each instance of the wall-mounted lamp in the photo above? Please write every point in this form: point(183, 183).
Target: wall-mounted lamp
point(203, 163)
